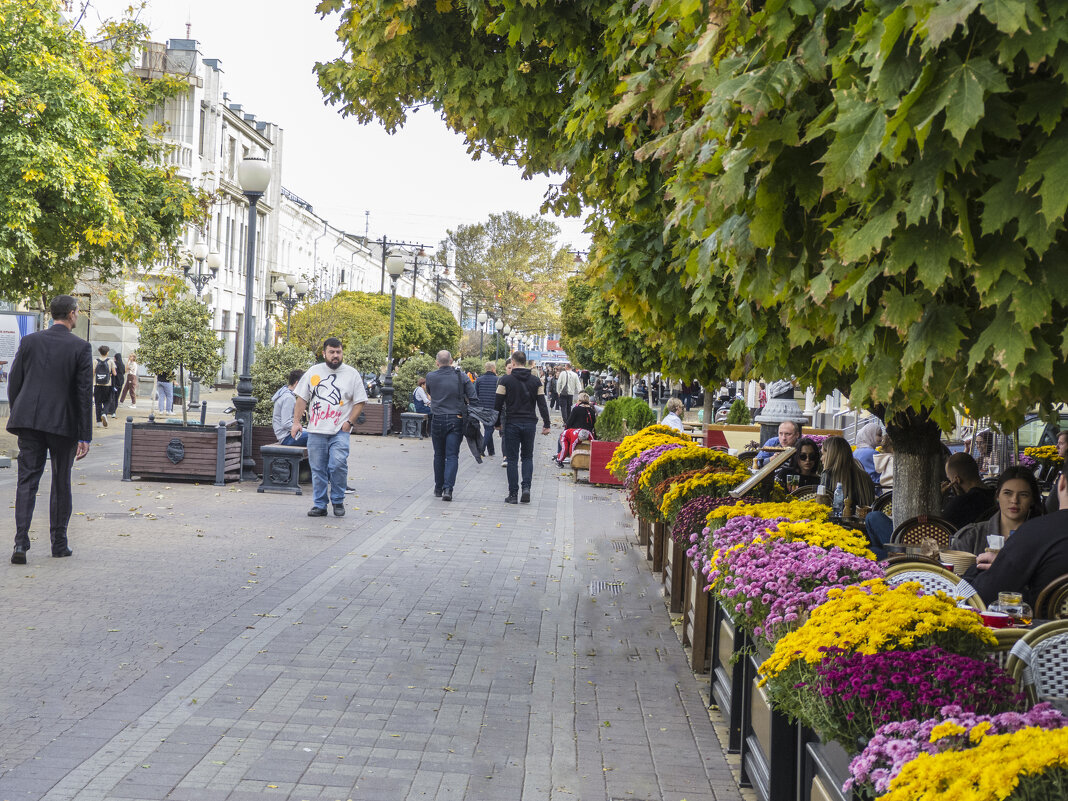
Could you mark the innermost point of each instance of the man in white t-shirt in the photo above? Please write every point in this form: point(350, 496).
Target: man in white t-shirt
point(568, 387)
point(333, 394)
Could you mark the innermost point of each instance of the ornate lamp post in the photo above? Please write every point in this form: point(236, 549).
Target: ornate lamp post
point(481, 318)
point(254, 176)
point(499, 325)
point(395, 268)
point(199, 280)
point(289, 292)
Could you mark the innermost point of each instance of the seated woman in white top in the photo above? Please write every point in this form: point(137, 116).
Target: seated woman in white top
point(673, 418)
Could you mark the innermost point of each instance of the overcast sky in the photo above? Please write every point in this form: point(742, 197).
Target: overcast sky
point(415, 184)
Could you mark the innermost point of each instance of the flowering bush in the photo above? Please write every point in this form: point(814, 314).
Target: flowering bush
point(644, 459)
point(1027, 461)
point(634, 444)
point(714, 483)
point(770, 584)
point(868, 618)
point(1047, 454)
point(853, 694)
point(680, 460)
point(896, 744)
point(1026, 765)
point(690, 521)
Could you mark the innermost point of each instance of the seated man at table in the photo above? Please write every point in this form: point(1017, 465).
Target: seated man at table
point(1032, 557)
point(789, 434)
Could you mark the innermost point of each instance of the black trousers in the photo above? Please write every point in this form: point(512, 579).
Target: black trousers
point(101, 400)
point(565, 406)
point(33, 448)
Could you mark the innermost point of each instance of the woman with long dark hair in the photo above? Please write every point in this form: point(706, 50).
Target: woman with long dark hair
point(839, 467)
point(1018, 499)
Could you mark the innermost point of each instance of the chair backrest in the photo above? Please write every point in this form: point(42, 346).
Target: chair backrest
point(884, 504)
point(747, 456)
point(933, 579)
point(916, 529)
point(807, 491)
point(1052, 602)
point(1007, 639)
point(1039, 662)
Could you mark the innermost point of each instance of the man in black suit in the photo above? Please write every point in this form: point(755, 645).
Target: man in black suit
point(50, 390)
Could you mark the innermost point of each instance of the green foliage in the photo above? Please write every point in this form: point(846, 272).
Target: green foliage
point(739, 413)
point(270, 371)
point(86, 187)
point(179, 338)
point(366, 355)
point(404, 380)
point(475, 365)
point(512, 266)
point(359, 317)
point(634, 411)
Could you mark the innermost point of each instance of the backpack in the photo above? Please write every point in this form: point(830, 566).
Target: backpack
point(103, 373)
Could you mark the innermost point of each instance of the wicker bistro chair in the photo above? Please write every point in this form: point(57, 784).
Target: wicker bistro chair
point(747, 456)
point(884, 504)
point(1007, 639)
point(916, 529)
point(808, 491)
point(1052, 602)
point(1039, 662)
point(935, 579)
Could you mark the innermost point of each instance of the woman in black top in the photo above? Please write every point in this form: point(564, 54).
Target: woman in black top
point(805, 464)
point(579, 426)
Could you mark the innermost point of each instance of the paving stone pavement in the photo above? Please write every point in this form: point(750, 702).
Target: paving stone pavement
point(213, 643)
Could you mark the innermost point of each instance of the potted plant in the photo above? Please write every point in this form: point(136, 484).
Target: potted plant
point(619, 417)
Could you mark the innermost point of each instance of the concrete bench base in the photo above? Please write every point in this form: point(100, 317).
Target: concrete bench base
point(413, 425)
point(281, 468)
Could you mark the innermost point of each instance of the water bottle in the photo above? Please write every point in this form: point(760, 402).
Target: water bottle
point(838, 501)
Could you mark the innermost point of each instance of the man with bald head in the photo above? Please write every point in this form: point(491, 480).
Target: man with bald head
point(447, 388)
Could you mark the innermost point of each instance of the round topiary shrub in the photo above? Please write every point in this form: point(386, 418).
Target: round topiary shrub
point(739, 413)
point(634, 410)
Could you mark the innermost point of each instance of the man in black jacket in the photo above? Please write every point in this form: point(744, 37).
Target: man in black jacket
point(448, 388)
point(521, 396)
point(50, 390)
point(486, 389)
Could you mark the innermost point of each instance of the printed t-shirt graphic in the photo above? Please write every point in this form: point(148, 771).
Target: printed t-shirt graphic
point(330, 394)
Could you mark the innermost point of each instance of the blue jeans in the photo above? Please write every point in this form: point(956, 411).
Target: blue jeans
point(487, 439)
point(166, 395)
point(328, 456)
point(301, 441)
point(879, 527)
point(446, 433)
point(519, 439)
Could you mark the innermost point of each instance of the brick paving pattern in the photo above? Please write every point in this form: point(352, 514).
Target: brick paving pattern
point(213, 643)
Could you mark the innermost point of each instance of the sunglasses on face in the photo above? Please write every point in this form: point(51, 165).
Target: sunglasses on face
point(806, 457)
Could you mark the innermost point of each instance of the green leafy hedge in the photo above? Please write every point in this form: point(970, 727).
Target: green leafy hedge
point(634, 410)
point(739, 414)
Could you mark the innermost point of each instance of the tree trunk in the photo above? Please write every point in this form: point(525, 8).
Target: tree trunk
point(709, 410)
point(917, 465)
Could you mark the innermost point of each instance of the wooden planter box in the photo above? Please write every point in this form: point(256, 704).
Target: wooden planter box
point(825, 769)
point(674, 576)
point(697, 621)
point(261, 435)
point(645, 532)
point(170, 452)
point(655, 551)
point(771, 745)
point(371, 422)
point(600, 454)
point(728, 675)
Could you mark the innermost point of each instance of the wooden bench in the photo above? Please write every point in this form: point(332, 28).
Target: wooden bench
point(281, 468)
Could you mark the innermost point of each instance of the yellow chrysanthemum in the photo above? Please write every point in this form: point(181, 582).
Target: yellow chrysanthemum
point(717, 484)
point(791, 510)
point(632, 445)
point(694, 456)
point(991, 771)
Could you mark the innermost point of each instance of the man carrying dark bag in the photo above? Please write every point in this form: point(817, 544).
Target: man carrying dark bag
point(448, 389)
point(522, 397)
point(50, 391)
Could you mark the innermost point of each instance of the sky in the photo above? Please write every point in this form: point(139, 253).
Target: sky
point(416, 183)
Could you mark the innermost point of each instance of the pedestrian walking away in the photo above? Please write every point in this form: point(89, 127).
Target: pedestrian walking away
point(118, 377)
point(521, 398)
point(448, 389)
point(333, 395)
point(486, 390)
point(568, 386)
point(103, 374)
point(165, 392)
point(50, 392)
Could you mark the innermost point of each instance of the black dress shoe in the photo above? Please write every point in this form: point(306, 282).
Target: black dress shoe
point(525, 497)
point(446, 495)
point(18, 557)
point(317, 511)
point(64, 552)
point(437, 493)
point(339, 510)
point(511, 499)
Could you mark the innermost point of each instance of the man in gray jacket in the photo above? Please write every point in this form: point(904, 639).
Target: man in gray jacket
point(447, 387)
point(282, 417)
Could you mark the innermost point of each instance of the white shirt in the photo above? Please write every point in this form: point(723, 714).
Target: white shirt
point(330, 394)
point(672, 420)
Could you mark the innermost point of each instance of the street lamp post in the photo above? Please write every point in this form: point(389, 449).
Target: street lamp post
point(415, 268)
point(481, 317)
point(395, 266)
point(289, 292)
point(499, 325)
point(254, 176)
